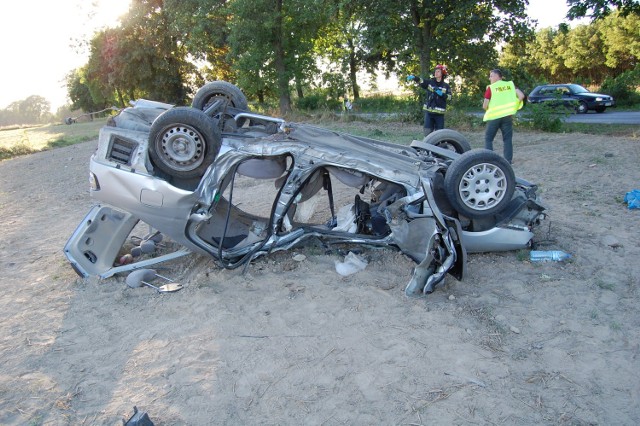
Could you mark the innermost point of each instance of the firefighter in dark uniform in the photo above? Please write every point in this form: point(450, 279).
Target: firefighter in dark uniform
point(438, 93)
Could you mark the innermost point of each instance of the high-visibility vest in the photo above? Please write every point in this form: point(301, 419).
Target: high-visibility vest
point(504, 100)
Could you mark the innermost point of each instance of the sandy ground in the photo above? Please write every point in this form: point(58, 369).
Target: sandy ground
point(295, 343)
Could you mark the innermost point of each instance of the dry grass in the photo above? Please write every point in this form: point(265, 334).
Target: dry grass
point(26, 140)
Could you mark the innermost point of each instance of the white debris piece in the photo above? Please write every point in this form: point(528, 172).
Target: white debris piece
point(352, 264)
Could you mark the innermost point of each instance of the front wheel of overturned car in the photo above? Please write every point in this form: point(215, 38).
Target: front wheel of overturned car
point(479, 183)
point(183, 142)
point(448, 139)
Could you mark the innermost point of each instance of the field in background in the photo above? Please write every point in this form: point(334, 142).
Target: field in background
point(26, 140)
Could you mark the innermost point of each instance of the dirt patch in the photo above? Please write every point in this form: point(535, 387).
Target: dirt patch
point(293, 342)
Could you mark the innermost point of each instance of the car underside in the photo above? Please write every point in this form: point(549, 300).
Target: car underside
point(219, 180)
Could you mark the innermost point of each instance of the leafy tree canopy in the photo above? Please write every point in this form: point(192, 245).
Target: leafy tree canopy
point(33, 110)
point(411, 37)
point(588, 54)
point(272, 43)
point(598, 9)
point(165, 49)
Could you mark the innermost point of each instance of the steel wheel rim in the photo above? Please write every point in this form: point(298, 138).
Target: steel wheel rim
point(182, 147)
point(482, 186)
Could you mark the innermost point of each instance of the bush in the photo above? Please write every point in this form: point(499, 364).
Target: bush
point(623, 87)
point(462, 121)
point(467, 101)
point(317, 101)
point(545, 117)
point(269, 107)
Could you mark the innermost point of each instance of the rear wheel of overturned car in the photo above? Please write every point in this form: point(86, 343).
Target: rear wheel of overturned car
point(183, 142)
point(448, 139)
point(479, 183)
point(229, 94)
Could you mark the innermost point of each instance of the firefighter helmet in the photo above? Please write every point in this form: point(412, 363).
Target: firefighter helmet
point(442, 68)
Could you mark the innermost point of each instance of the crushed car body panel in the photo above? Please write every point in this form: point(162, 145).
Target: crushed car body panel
point(338, 188)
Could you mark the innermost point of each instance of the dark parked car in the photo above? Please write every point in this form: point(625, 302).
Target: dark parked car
point(571, 96)
point(221, 181)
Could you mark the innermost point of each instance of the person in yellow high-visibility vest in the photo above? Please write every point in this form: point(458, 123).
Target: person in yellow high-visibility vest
point(501, 101)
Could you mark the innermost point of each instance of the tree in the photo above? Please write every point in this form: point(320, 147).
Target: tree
point(149, 54)
point(36, 108)
point(587, 53)
point(98, 81)
point(272, 44)
point(583, 53)
point(517, 58)
point(412, 37)
point(598, 9)
point(80, 93)
point(267, 47)
point(341, 43)
point(202, 27)
point(32, 110)
point(463, 33)
point(139, 58)
point(621, 42)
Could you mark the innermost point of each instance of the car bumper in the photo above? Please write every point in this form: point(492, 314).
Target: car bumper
point(601, 104)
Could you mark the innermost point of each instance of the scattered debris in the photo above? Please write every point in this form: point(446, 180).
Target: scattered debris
point(139, 418)
point(352, 264)
point(299, 257)
point(611, 241)
point(140, 277)
point(632, 198)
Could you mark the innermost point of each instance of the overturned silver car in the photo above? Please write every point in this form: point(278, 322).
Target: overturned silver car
point(199, 175)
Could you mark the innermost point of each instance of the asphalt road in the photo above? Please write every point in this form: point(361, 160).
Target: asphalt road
point(607, 117)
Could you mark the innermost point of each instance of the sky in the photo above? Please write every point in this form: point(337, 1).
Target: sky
point(38, 38)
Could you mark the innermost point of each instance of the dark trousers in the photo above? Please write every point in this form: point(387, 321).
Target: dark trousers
point(433, 122)
point(505, 125)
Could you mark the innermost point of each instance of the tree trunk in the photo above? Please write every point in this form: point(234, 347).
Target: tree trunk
point(422, 31)
point(120, 98)
point(425, 50)
point(131, 95)
point(299, 89)
point(281, 70)
point(353, 69)
point(283, 81)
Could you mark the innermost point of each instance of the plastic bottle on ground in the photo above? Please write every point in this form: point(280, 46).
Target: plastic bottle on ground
point(548, 255)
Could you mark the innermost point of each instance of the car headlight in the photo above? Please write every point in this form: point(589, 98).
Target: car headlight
point(93, 182)
point(599, 99)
